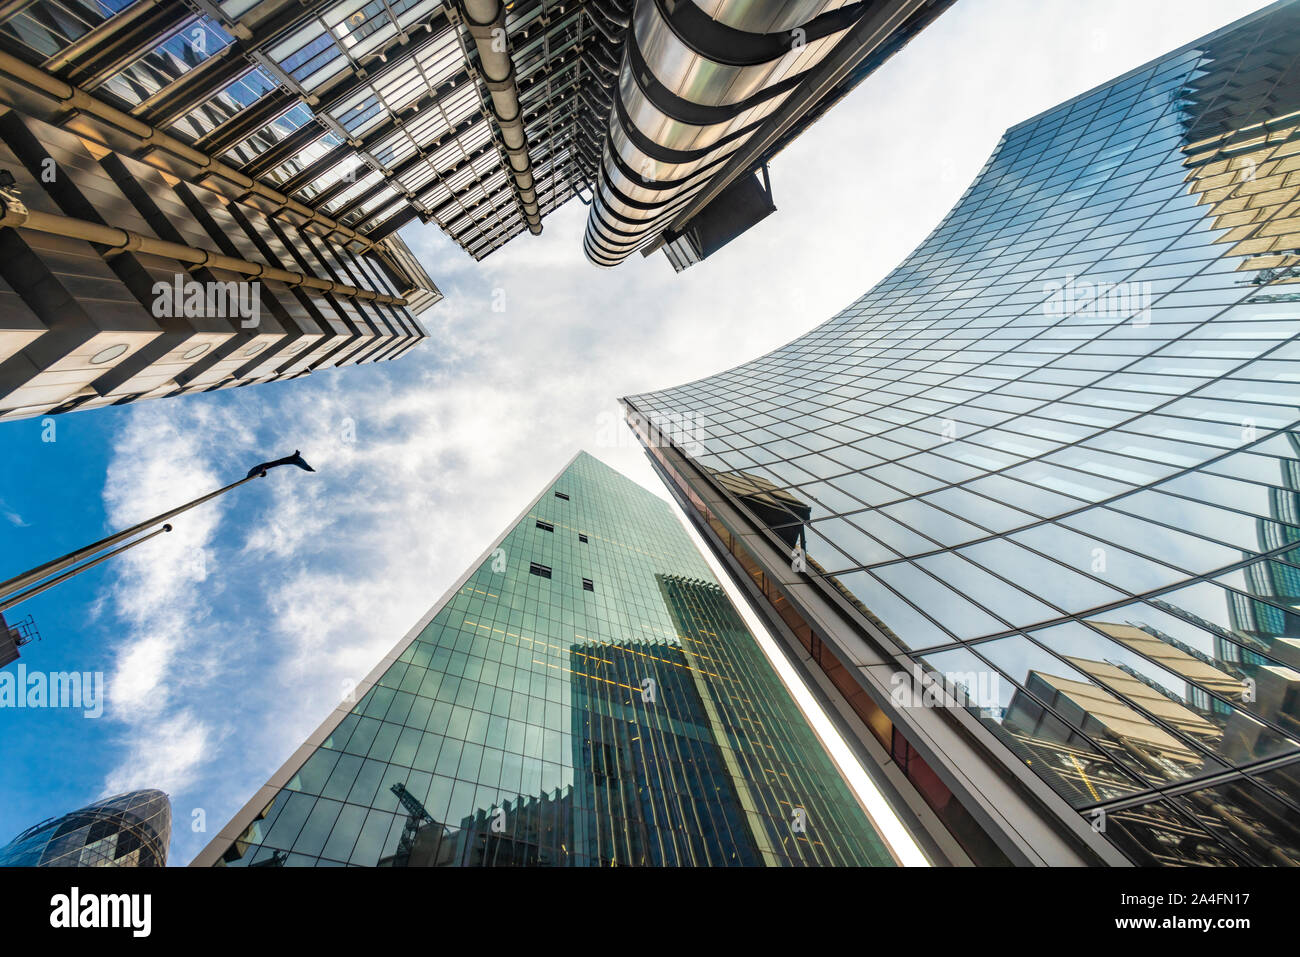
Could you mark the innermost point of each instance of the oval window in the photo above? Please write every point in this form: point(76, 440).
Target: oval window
point(108, 355)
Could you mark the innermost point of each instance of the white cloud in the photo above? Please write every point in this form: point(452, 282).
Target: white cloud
point(168, 758)
point(160, 461)
point(12, 517)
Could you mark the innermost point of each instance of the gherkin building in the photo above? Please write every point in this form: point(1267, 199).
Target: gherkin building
point(129, 830)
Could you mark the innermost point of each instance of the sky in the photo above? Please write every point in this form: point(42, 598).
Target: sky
point(225, 643)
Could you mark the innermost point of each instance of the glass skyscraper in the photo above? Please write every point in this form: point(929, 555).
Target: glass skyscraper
point(1028, 510)
point(129, 830)
point(585, 696)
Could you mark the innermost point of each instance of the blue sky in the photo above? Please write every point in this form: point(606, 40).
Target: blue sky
point(226, 642)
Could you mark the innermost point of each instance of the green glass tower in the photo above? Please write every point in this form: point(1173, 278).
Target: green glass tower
point(585, 696)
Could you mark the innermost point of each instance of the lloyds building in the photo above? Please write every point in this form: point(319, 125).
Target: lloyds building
point(220, 145)
point(585, 696)
point(1028, 511)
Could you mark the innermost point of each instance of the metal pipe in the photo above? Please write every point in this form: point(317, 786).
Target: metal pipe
point(486, 21)
point(605, 61)
point(11, 586)
point(95, 37)
point(8, 588)
point(608, 31)
point(73, 572)
point(867, 34)
point(614, 16)
point(696, 81)
point(17, 216)
point(11, 8)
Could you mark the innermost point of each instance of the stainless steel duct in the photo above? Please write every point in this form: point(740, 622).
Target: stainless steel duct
point(698, 77)
point(606, 24)
point(486, 21)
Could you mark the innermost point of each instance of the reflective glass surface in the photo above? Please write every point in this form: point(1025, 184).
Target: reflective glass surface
point(537, 721)
point(1058, 446)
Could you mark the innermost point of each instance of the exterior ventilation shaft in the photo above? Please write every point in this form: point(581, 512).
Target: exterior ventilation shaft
point(698, 78)
point(486, 20)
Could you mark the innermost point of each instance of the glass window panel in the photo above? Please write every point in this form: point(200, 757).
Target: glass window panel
point(1161, 833)
point(1099, 559)
point(951, 610)
point(909, 625)
point(1248, 820)
point(1008, 602)
point(1050, 581)
point(1168, 545)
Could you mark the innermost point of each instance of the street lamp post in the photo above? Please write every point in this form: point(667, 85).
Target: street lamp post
point(10, 600)
point(36, 580)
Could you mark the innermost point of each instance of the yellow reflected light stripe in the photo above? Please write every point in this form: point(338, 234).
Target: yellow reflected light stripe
point(581, 674)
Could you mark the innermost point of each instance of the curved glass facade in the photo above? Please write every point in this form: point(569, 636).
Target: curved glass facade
point(587, 696)
point(1054, 456)
point(129, 830)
